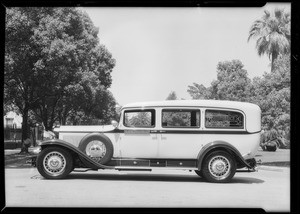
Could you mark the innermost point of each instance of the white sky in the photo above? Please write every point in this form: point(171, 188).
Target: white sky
point(159, 50)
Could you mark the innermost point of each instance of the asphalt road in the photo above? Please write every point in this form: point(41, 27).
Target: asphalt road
point(269, 188)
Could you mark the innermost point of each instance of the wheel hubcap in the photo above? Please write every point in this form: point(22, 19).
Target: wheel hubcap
point(219, 167)
point(96, 150)
point(54, 163)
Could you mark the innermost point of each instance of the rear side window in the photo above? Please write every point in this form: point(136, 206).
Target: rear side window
point(224, 119)
point(139, 118)
point(183, 118)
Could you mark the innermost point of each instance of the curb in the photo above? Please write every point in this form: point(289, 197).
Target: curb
point(273, 168)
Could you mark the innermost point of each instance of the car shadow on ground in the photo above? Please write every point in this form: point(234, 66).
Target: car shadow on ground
point(246, 180)
point(154, 177)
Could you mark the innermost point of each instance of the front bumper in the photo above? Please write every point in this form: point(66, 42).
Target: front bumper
point(251, 162)
point(252, 166)
point(34, 151)
point(32, 160)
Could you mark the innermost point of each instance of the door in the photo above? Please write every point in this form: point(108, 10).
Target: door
point(180, 136)
point(139, 139)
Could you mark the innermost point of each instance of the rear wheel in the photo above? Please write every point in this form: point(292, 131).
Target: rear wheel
point(218, 167)
point(54, 163)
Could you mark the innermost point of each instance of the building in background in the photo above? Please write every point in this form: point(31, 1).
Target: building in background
point(13, 120)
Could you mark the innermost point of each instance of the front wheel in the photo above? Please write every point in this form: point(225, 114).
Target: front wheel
point(54, 163)
point(218, 167)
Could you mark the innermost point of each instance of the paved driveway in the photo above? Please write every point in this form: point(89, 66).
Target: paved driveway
point(267, 189)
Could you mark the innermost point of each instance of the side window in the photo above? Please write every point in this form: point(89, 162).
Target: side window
point(184, 118)
point(139, 118)
point(223, 119)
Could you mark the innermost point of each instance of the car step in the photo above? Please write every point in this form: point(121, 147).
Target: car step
point(122, 168)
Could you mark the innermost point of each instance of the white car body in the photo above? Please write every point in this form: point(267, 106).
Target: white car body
point(176, 146)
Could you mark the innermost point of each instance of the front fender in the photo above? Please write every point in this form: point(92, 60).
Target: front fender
point(223, 146)
point(69, 146)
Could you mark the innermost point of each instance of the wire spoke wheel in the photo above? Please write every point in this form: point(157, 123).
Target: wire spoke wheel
point(54, 163)
point(219, 167)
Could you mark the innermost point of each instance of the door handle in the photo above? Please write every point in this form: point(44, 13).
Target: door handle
point(162, 131)
point(153, 131)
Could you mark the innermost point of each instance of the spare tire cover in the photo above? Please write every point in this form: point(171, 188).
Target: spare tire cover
point(97, 146)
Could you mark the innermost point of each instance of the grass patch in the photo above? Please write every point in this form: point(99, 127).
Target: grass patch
point(17, 156)
point(18, 160)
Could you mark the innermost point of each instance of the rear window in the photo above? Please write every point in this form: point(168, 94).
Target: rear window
point(183, 118)
point(224, 119)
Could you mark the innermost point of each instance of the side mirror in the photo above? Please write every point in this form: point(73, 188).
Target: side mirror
point(114, 123)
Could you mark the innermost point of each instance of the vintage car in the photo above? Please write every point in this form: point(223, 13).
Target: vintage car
point(213, 138)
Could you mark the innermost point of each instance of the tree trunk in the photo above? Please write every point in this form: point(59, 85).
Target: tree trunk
point(63, 121)
point(25, 135)
point(274, 56)
point(64, 116)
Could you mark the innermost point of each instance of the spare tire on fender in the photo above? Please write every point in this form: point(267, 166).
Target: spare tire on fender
point(98, 147)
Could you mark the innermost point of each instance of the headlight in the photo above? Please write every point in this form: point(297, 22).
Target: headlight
point(36, 150)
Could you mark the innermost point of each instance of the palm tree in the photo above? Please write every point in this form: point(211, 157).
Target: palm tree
point(273, 34)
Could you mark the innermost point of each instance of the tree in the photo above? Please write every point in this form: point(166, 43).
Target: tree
point(51, 53)
point(92, 65)
point(272, 94)
point(97, 114)
point(19, 79)
point(172, 96)
point(232, 84)
point(273, 34)
point(271, 91)
point(197, 91)
point(7, 107)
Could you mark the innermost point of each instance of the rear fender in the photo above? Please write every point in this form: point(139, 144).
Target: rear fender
point(220, 145)
point(69, 146)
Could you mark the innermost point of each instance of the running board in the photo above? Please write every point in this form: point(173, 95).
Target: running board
point(120, 168)
point(84, 170)
point(130, 168)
